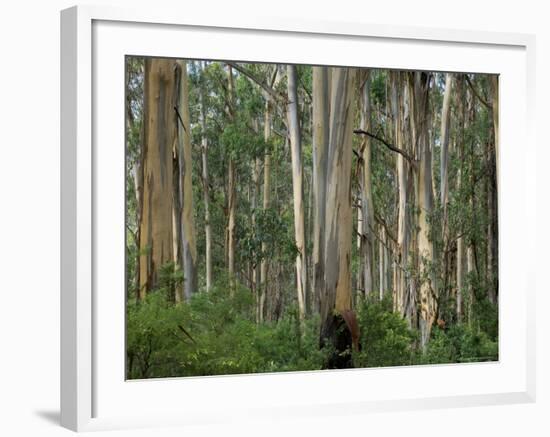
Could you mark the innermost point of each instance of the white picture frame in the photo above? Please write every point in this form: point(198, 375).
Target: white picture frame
point(93, 389)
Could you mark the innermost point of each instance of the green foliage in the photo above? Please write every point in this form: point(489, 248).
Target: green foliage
point(386, 340)
point(215, 334)
point(459, 344)
point(378, 88)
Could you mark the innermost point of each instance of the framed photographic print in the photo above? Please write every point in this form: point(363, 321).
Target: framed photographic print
point(258, 214)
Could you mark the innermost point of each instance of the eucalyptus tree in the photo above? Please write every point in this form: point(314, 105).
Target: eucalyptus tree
point(367, 204)
point(231, 188)
point(320, 134)
point(298, 190)
point(156, 242)
point(336, 298)
point(205, 176)
point(398, 113)
point(444, 139)
point(185, 249)
point(420, 88)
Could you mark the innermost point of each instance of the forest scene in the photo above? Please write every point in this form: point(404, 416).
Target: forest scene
point(299, 218)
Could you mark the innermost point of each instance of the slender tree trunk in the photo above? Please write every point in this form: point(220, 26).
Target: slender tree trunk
point(206, 192)
point(471, 249)
point(460, 261)
point(445, 131)
point(336, 299)
point(469, 271)
point(495, 111)
point(185, 183)
point(155, 227)
point(428, 303)
point(402, 172)
point(320, 134)
point(460, 242)
point(266, 205)
point(367, 205)
point(298, 190)
point(493, 197)
point(231, 197)
point(256, 170)
point(381, 264)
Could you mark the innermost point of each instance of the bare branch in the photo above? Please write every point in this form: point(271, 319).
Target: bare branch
point(270, 91)
point(481, 99)
point(388, 145)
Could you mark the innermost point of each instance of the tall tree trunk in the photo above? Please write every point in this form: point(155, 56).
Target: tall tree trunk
point(256, 170)
point(155, 226)
point(206, 192)
point(381, 264)
point(428, 303)
point(320, 134)
point(231, 196)
point(298, 190)
point(460, 262)
point(444, 178)
point(336, 299)
point(367, 205)
point(469, 271)
point(460, 241)
point(188, 248)
point(492, 266)
point(265, 205)
point(402, 172)
point(445, 133)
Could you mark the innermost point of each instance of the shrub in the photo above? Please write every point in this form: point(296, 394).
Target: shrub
point(385, 337)
point(460, 343)
point(215, 334)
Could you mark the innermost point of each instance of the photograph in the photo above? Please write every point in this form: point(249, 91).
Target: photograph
point(292, 217)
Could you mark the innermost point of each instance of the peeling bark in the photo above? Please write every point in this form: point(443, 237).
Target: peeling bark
point(320, 134)
point(428, 302)
point(155, 228)
point(336, 299)
point(367, 205)
point(183, 153)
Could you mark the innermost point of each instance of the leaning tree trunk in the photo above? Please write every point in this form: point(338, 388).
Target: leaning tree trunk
point(298, 190)
point(320, 134)
point(155, 225)
point(336, 299)
point(187, 251)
